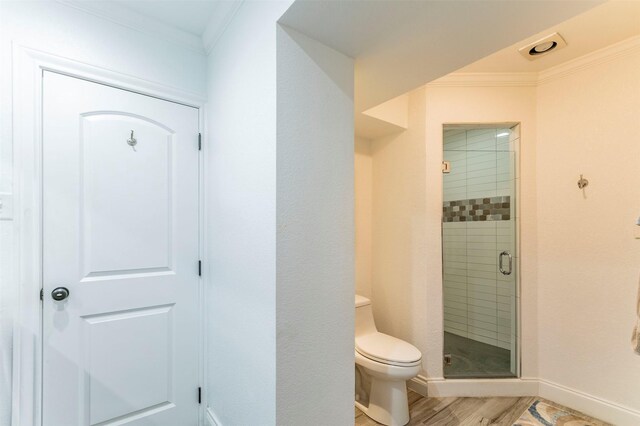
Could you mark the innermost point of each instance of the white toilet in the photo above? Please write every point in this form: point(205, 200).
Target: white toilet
point(387, 363)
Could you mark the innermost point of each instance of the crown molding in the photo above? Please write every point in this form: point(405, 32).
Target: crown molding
point(222, 17)
point(138, 22)
point(482, 79)
point(606, 54)
point(529, 79)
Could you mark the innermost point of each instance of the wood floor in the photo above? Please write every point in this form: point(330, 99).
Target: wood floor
point(468, 411)
point(459, 411)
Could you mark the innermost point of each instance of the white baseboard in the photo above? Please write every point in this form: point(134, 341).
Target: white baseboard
point(212, 419)
point(476, 387)
point(593, 406)
point(419, 384)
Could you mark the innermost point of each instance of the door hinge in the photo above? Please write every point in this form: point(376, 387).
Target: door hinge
point(447, 359)
point(199, 141)
point(199, 395)
point(446, 167)
point(199, 268)
point(41, 294)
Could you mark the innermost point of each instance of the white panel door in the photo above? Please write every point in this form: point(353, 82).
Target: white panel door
point(120, 229)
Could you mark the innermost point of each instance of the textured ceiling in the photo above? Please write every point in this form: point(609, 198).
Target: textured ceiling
point(401, 45)
point(599, 27)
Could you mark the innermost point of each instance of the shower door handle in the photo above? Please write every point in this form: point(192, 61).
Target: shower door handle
point(500, 257)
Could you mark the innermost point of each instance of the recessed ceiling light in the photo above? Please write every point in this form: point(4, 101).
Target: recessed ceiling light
point(542, 47)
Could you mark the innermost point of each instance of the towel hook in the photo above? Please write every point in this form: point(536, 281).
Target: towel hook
point(582, 183)
point(132, 141)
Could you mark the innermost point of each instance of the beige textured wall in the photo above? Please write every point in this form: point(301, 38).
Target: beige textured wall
point(588, 258)
point(482, 105)
point(579, 253)
point(400, 255)
point(407, 209)
point(363, 174)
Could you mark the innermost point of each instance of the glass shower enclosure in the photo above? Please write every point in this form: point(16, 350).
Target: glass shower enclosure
point(479, 249)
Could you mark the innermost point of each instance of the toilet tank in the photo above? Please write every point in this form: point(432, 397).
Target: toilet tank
point(364, 316)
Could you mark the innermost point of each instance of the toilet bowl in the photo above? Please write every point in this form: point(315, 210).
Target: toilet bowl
point(387, 363)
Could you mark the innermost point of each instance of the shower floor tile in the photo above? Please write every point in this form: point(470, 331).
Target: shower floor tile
point(470, 358)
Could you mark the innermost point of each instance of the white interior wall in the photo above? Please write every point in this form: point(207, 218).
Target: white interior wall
point(315, 233)
point(588, 259)
point(280, 256)
point(400, 255)
point(363, 173)
point(241, 225)
point(60, 30)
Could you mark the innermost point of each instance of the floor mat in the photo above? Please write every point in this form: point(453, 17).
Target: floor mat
point(543, 413)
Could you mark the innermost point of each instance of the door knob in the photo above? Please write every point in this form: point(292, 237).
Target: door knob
point(60, 293)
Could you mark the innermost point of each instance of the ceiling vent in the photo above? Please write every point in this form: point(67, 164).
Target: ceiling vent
point(542, 47)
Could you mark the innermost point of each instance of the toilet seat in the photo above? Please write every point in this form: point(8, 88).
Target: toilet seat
point(388, 350)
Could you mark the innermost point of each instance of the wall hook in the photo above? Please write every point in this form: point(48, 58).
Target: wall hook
point(582, 183)
point(132, 141)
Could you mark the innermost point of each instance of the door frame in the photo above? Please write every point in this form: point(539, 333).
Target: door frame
point(517, 237)
point(28, 68)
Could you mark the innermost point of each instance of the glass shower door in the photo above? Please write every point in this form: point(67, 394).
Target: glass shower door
point(479, 254)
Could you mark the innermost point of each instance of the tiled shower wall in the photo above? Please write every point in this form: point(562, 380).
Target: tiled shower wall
point(478, 224)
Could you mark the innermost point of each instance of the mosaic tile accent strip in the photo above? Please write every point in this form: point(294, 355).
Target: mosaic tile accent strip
point(477, 209)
